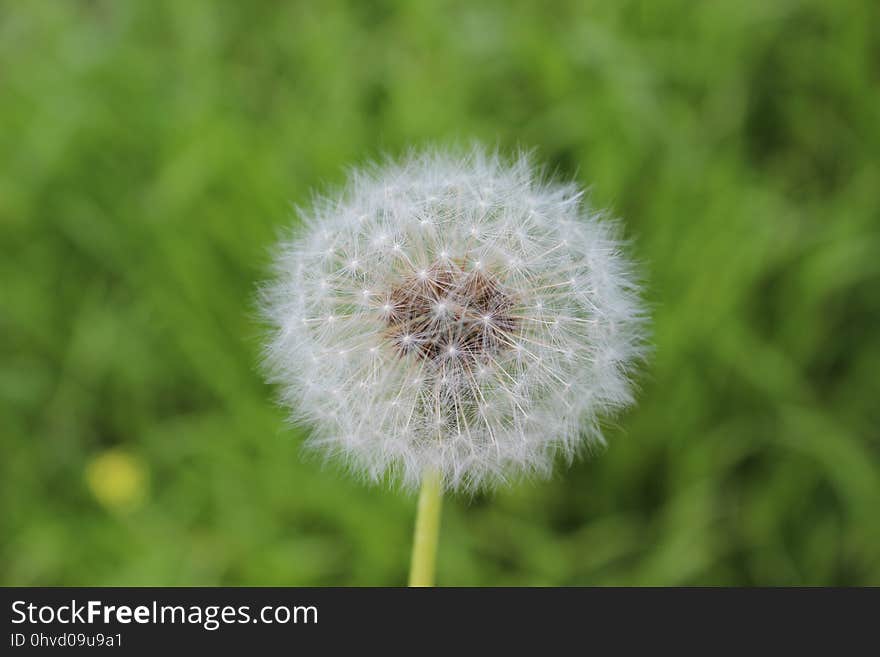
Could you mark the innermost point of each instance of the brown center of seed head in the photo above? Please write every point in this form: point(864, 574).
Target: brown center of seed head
point(450, 317)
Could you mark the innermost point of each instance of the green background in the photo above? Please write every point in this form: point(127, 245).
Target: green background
point(150, 153)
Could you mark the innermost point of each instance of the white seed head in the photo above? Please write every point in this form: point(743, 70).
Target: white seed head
point(457, 312)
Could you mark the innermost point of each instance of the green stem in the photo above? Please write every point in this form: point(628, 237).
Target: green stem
point(424, 552)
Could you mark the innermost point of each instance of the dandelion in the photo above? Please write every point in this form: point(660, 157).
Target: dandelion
point(453, 321)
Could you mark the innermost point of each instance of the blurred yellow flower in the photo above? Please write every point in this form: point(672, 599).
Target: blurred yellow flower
point(117, 479)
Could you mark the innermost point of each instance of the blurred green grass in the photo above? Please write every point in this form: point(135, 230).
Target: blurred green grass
point(149, 153)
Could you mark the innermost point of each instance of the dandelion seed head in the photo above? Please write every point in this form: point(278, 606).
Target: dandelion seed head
point(454, 311)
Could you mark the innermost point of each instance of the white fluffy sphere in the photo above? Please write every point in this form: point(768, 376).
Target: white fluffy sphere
point(457, 312)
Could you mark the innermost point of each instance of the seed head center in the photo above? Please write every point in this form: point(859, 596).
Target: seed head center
point(448, 316)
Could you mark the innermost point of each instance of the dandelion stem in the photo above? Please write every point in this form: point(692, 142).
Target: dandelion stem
point(424, 551)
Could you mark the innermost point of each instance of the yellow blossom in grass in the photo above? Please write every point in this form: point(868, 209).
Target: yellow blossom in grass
point(117, 479)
